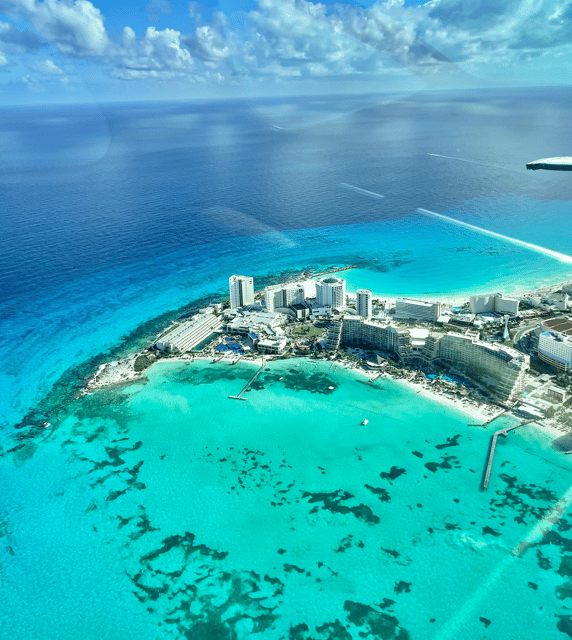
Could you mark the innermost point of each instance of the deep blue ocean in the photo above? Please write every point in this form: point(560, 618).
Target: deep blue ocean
point(113, 215)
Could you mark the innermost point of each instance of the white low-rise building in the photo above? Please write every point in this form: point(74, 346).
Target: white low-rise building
point(251, 321)
point(272, 345)
point(189, 334)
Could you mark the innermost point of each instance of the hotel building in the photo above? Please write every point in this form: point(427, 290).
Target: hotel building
point(503, 366)
point(494, 304)
point(358, 332)
point(331, 292)
point(556, 350)
point(189, 334)
point(241, 291)
point(364, 303)
point(408, 309)
point(282, 296)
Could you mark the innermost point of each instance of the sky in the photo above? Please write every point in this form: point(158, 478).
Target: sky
point(57, 51)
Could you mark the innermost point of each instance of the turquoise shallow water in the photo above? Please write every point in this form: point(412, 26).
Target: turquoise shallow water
point(169, 510)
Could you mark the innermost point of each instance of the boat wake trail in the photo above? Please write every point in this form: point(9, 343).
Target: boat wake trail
point(561, 257)
point(360, 190)
point(484, 164)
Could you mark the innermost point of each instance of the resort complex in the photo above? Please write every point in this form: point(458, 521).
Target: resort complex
point(494, 347)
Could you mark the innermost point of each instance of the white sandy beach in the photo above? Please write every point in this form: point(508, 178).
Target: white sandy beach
point(122, 372)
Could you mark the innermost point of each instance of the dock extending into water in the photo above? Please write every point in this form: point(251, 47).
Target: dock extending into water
point(497, 415)
point(239, 396)
point(492, 447)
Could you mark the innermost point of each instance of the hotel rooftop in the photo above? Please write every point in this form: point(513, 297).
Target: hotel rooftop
point(560, 325)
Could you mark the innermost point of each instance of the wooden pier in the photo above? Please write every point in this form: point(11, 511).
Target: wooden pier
point(492, 447)
point(497, 415)
point(239, 396)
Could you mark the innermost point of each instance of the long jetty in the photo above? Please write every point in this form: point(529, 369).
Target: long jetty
point(307, 275)
point(239, 396)
point(497, 415)
point(492, 447)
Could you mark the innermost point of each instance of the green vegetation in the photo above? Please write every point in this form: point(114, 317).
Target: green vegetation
point(142, 363)
point(307, 332)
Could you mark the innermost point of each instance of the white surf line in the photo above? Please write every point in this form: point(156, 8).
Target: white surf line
point(561, 257)
point(484, 164)
point(360, 190)
point(539, 531)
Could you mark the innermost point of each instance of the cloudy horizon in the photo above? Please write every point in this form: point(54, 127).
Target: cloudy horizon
point(77, 51)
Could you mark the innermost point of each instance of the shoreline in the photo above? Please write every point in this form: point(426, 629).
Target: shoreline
point(116, 374)
point(480, 414)
point(116, 368)
point(476, 411)
point(457, 299)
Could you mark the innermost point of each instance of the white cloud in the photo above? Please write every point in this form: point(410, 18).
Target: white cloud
point(76, 28)
point(16, 42)
point(297, 38)
point(488, 31)
point(302, 38)
point(158, 54)
point(209, 44)
point(33, 83)
point(47, 67)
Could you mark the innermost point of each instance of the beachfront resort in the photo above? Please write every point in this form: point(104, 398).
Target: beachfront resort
point(487, 351)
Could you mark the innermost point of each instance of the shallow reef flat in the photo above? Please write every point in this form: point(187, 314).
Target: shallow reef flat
point(182, 513)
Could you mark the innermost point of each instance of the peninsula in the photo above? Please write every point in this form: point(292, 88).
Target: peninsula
point(487, 355)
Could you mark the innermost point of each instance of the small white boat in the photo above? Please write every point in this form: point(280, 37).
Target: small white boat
point(365, 422)
point(331, 388)
point(281, 378)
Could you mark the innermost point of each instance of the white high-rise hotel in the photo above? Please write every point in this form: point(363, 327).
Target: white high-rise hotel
point(556, 349)
point(331, 292)
point(241, 291)
point(283, 295)
point(364, 303)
